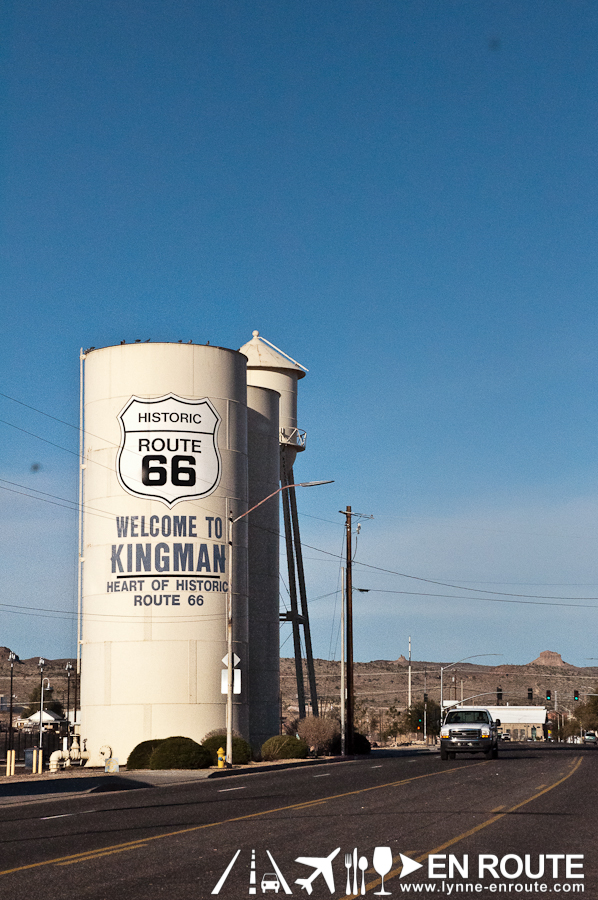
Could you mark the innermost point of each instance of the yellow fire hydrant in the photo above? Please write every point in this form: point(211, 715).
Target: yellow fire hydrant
point(221, 757)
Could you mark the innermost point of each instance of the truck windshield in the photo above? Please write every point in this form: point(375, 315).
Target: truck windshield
point(468, 717)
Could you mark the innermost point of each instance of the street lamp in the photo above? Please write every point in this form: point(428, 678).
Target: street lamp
point(41, 710)
point(442, 669)
point(11, 656)
point(229, 610)
point(69, 668)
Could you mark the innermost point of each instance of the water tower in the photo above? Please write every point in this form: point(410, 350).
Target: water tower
point(165, 460)
point(269, 367)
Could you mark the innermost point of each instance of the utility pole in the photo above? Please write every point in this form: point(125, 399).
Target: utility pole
point(349, 630)
point(343, 688)
point(350, 717)
point(425, 709)
point(409, 678)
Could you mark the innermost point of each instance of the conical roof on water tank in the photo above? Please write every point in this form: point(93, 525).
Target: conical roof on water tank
point(267, 366)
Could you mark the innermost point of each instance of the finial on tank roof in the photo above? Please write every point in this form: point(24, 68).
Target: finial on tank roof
point(262, 353)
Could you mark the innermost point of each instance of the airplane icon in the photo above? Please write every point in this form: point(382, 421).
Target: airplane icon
point(322, 865)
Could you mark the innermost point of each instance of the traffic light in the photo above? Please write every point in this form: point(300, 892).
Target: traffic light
point(419, 727)
point(498, 694)
point(576, 695)
point(530, 693)
point(549, 696)
point(425, 698)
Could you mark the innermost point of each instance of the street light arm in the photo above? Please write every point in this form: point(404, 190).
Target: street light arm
point(465, 658)
point(473, 696)
point(450, 666)
point(277, 491)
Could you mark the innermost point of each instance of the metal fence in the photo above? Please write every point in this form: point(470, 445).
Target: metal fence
point(25, 740)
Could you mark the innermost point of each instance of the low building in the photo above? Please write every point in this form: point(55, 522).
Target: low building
point(51, 721)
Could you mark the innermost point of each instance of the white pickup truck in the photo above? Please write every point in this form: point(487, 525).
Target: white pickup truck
point(469, 729)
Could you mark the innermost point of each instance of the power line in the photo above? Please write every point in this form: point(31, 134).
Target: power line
point(41, 412)
point(461, 587)
point(521, 598)
point(486, 599)
point(74, 505)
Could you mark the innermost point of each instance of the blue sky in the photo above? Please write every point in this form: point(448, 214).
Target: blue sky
point(402, 196)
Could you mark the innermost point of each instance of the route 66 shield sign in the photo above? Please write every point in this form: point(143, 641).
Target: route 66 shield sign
point(169, 448)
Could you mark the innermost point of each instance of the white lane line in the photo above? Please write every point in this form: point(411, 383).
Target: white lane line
point(83, 812)
point(226, 790)
point(375, 767)
point(325, 775)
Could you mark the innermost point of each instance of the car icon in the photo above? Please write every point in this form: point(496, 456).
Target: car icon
point(270, 882)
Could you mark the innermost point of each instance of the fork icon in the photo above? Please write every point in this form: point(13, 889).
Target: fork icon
point(348, 864)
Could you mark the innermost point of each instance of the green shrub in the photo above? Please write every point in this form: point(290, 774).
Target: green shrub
point(218, 732)
point(284, 746)
point(361, 745)
point(179, 753)
point(241, 749)
point(139, 757)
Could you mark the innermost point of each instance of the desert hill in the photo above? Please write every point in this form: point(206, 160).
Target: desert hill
point(381, 684)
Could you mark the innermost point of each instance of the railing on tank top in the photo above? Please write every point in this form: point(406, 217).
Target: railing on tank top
point(294, 436)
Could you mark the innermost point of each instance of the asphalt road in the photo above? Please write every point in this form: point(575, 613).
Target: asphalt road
point(535, 806)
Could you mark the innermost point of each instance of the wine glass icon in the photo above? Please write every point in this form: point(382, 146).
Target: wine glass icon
point(382, 864)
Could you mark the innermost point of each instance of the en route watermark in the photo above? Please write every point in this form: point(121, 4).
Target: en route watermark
point(345, 873)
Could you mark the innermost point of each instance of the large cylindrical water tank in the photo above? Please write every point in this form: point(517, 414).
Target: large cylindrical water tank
point(165, 461)
point(263, 544)
point(270, 368)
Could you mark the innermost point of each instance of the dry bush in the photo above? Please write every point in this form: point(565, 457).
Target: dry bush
point(318, 733)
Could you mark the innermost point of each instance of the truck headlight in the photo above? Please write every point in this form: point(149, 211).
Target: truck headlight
point(445, 732)
point(485, 732)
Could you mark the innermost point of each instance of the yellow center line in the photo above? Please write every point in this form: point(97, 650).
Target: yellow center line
point(309, 803)
point(301, 805)
point(97, 855)
point(498, 808)
point(575, 766)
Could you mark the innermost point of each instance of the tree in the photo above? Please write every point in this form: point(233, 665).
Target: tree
point(50, 705)
point(360, 716)
point(393, 725)
point(571, 728)
point(414, 718)
point(587, 713)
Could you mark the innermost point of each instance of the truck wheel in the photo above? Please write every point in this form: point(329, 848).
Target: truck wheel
point(443, 754)
point(495, 753)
